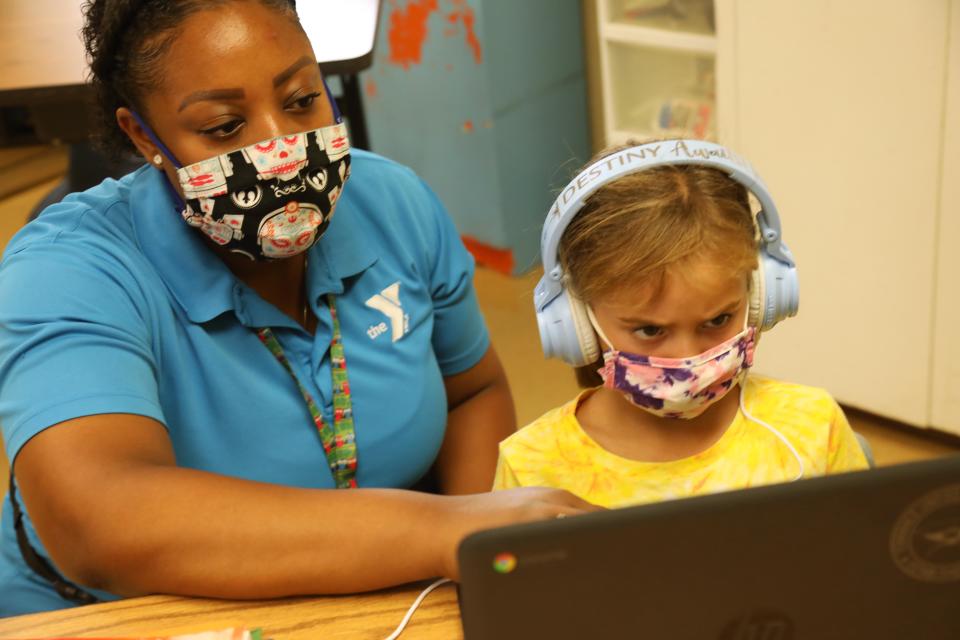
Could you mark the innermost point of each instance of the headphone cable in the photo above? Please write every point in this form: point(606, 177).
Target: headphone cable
point(749, 416)
point(413, 607)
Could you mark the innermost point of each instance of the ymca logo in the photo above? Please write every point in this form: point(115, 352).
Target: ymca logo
point(387, 302)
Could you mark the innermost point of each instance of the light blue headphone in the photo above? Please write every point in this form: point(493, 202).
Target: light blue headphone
point(565, 329)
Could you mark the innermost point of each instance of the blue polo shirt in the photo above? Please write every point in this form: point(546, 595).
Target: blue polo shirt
point(110, 303)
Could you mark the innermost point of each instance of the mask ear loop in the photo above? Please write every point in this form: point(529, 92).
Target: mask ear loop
point(596, 327)
point(333, 103)
point(155, 140)
point(163, 148)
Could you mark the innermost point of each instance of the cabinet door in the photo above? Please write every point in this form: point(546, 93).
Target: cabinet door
point(839, 107)
point(945, 406)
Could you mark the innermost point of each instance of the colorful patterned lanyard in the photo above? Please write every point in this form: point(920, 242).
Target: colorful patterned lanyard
point(339, 444)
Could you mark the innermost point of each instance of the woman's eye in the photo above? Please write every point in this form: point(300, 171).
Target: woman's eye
point(648, 332)
point(304, 102)
point(720, 321)
point(223, 130)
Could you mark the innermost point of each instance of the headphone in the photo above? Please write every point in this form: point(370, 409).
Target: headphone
point(565, 329)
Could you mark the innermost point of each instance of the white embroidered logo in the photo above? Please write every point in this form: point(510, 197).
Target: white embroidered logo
point(387, 302)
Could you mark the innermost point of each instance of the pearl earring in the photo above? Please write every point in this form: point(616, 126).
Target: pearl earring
point(158, 160)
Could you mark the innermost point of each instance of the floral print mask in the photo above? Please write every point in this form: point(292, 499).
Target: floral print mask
point(678, 387)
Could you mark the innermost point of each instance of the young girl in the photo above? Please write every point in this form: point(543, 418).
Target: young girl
point(665, 271)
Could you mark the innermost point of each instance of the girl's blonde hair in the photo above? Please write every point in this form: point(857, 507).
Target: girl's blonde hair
point(634, 230)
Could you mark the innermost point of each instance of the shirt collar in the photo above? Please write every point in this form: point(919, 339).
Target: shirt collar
point(200, 282)
point(342, 252)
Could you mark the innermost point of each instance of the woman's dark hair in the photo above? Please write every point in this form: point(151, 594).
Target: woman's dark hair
point(125, 41)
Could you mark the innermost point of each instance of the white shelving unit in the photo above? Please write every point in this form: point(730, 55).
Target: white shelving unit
point(658, 68)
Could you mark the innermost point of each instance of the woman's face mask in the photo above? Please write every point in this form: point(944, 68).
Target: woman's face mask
point(269, 200)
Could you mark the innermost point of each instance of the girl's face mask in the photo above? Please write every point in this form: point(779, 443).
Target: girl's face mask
point(269, 200)
point(678, 387)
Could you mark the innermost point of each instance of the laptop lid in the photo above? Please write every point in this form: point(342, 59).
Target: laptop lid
point(871, 554)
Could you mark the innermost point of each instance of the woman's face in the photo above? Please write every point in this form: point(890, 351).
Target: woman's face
point(235, 75)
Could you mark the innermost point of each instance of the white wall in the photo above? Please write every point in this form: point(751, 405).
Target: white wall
point(840, 107)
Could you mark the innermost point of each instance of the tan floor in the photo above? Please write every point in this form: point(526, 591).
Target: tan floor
point(538, 384)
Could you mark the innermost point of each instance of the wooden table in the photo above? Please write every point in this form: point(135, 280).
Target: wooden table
point(372, 615)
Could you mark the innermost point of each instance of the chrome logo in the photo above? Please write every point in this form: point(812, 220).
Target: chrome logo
point(504, 562)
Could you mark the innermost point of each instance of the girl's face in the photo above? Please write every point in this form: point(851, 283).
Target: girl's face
point(697, 307)
point(233, 76)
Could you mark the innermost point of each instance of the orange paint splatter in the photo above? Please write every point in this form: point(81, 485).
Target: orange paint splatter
point(466, 16)
point(371, 89)
point(408, 31)
point(467, 126)
point(489, 256)
point(472, 41)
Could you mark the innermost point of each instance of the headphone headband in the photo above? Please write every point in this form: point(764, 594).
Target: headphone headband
point(646, 156)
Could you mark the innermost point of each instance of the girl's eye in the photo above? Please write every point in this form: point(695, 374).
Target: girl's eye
point(223, 130)
point(648, 332)
point(304, 102)
point(720, 321)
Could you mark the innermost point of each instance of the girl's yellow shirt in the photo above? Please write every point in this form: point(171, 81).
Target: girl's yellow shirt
point(555, 451)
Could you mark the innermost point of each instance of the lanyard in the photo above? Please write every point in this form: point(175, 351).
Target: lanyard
point(339, 444)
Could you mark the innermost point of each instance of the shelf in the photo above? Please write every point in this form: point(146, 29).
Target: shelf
point(658, 38)
point(620, 137)
point(683, 16)
point(659, 92)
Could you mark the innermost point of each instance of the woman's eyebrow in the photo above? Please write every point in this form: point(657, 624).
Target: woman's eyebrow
point(284, 75)
point(211, 94)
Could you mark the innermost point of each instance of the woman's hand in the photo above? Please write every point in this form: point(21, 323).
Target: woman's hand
point(467, 514)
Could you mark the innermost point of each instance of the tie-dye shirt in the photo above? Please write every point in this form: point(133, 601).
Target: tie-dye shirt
point(555, 451)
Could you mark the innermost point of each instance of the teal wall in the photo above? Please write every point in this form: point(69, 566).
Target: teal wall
point(492, 116)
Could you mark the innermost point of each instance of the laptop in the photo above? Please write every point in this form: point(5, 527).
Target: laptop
point(870, 554)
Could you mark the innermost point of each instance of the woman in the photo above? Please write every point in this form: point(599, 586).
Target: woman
point(193, 356)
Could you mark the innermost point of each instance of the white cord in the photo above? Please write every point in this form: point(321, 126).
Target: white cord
point(413, 607)
point(746, 414)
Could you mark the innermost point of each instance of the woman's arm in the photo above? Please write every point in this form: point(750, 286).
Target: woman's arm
point(115, 513)
point(480, 415)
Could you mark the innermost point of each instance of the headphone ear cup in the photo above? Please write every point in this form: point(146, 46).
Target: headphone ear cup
point(566, 332)
point(781, 297)
point(755, 307)
point(775, 293)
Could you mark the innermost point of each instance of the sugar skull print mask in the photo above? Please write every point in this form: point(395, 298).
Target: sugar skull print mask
point(269, 200)
point(678, 387)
